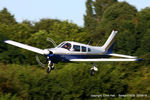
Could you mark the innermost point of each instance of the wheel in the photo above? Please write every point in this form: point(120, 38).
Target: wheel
point(49, 70)
point(52, 67)
point(92, 72)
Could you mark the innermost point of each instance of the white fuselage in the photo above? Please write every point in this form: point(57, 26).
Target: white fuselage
point(90, 50)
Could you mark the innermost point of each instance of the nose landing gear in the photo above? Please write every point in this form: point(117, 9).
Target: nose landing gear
point(50, 66)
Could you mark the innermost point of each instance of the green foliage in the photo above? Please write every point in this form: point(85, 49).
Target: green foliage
point(67, 32)
point(20, 32)
point(6, 17)
point(94, 13)
point(45, 24)
point(143, 32)
point(71, 81)
point(100, 6)
point(118, 17)
point(123, 11)
point(89, 19)
point(8, 97)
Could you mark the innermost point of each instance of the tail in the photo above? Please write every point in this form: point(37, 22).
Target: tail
point(110, 41)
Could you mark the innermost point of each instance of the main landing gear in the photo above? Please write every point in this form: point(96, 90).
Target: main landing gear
point(50, 66)
point(93, 69)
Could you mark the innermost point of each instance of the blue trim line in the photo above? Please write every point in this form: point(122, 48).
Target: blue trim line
point(55, 58)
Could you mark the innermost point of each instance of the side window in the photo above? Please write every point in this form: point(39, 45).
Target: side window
point(89, 50)
point(83, 49)
point(67, 46)
point(76, 48)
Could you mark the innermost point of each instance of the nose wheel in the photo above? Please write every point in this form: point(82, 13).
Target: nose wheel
point(50, 66)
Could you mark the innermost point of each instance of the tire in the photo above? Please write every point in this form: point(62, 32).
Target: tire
point(52, 67)
point(49, 70)
point(92, 72)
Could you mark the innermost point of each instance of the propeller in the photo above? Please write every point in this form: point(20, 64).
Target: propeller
point(46, 52)
point(52, 41)
point(39, 62)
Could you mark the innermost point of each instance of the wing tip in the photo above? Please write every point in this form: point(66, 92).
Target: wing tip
point(5, 41)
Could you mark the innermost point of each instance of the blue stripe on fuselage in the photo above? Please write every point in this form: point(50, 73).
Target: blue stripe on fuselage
point(66, 57)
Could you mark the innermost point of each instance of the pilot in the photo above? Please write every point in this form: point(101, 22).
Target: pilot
point(67, 46)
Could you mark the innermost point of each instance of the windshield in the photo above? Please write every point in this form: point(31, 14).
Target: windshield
point(60, 45)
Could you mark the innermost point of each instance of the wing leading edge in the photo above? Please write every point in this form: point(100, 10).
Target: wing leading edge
point(24, 46)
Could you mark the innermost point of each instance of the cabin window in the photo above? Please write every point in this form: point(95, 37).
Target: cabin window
point(83, 49)
point(89, 50)
point(76, 47)
point(67, 46)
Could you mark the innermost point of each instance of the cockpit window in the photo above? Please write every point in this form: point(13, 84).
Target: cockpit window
point(76, 48)
point(67, 46)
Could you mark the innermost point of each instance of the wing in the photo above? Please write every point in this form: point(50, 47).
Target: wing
point(24, 46)
point(102, 59)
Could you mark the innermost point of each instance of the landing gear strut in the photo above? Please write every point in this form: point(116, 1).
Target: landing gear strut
point(50, 66)
point(93, 69)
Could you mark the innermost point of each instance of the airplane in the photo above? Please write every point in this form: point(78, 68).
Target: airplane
point(70, 51)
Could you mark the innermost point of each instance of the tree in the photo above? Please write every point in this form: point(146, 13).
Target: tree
point(100, 6)
point(45, 24)
point(119, 17)
point(94, 13)
point(90, 21)
point(20, 32)
point(66, 31)
point(6, 17)
point(38, 40)
point(143, 29)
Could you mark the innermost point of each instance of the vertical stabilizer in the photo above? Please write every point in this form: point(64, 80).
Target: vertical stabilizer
point(110, 41)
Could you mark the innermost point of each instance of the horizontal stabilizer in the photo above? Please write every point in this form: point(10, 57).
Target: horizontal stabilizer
point(98, 60)
point(24, 46)
point(124, 56)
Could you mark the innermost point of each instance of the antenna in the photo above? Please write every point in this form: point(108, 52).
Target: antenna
point(98, 42)
point(90, 41)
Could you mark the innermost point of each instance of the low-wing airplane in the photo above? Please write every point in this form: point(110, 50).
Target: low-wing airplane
point(69, 51)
